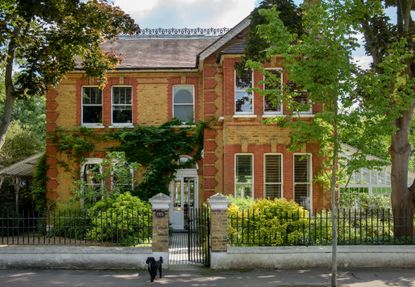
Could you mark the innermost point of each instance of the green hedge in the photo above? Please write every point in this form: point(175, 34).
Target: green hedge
point(266, 222)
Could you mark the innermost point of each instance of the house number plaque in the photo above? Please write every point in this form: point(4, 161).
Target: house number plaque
point(160, 213)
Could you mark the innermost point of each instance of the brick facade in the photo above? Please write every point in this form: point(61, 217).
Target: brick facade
point(214, 96)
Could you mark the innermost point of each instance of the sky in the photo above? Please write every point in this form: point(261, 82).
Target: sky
point(187, 13)
point(199, 13)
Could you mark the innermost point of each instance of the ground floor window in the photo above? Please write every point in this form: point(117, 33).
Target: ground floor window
point(243, 175)
point(91, 180)
point(122, 173)
point(302, 179)
point(273, 176)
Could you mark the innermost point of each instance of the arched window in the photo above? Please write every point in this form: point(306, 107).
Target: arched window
point(183, 103)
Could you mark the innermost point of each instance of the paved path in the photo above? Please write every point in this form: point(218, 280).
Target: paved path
point(178, 248)
point(196, 276)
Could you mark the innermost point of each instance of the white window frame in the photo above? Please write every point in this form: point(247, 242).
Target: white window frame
point(112, 106)
point(309, 111)
point(272, 113)
point(91, 125)
point(282, 173)
point(310, 177)
point(181, 104)
point(244, 90)
point(92, 160)
point(253, 173)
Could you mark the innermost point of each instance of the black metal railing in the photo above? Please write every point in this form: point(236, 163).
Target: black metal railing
point(125, 227)
point(354, 227)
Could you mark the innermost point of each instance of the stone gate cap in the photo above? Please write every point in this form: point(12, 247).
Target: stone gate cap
point(219, 202)
point(160, 201)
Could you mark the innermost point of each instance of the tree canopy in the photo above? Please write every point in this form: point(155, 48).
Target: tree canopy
point(42, 40)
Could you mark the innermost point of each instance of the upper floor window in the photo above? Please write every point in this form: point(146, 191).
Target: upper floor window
point(91, 105)
point(302, 179)
point(301, 102)
point(273, 86)
point(122, 105)
point(183, 103)
point(243, 96)
point(243, 175)
point(273, 176)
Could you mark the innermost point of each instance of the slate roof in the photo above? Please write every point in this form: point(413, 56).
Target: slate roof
point(159, 53)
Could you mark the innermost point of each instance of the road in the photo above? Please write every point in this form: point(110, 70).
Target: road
point(195, 276)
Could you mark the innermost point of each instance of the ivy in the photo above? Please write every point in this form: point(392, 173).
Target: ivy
point(74, 143)
point(39, 184)
point(156, 150)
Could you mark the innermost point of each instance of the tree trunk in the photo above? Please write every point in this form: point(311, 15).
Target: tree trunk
point(402, 197)
point(8, 82)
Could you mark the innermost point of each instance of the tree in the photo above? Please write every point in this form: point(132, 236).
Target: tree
point(386, 92)
point(319, 62)
point(20, 143)
point(377, 102)
point(41, 40)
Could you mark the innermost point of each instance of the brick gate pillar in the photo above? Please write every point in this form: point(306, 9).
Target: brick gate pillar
point(218, 227)
point(160, 241)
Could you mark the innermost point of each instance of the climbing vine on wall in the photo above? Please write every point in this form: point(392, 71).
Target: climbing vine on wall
point(76, 144)
point(156, 149)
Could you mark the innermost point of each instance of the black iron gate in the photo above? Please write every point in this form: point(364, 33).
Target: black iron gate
point(198, 228)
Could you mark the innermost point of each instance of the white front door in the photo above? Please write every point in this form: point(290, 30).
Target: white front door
point(183, 193)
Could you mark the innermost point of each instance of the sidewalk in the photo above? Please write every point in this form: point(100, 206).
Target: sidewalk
point(197, 276)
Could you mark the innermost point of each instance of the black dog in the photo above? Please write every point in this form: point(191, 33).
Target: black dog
point(153, 265)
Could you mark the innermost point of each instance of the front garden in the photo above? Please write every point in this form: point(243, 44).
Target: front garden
point(285, 223)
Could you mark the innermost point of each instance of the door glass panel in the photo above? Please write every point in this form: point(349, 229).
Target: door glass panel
point(191, 192)
point(177, 195)
point(185, 192)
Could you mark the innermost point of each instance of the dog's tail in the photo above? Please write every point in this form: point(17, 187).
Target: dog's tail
point(161, 259)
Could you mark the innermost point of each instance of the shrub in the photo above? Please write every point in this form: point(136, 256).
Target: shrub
point(267, 222)
point(354, 226)
point(69, 221)
point(121, 218)
point(241, 202)
point(365, 201)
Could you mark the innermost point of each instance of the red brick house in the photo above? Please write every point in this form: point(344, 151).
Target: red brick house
point(190, 74)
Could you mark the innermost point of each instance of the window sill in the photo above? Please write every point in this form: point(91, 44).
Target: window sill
point(305, 115)
point(272, 115)
point(184, 126)
point(93, 126)
point(121, 126)
point(244, 116)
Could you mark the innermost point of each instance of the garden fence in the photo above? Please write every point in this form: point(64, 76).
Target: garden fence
point(279, 228)
point(124, 227)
